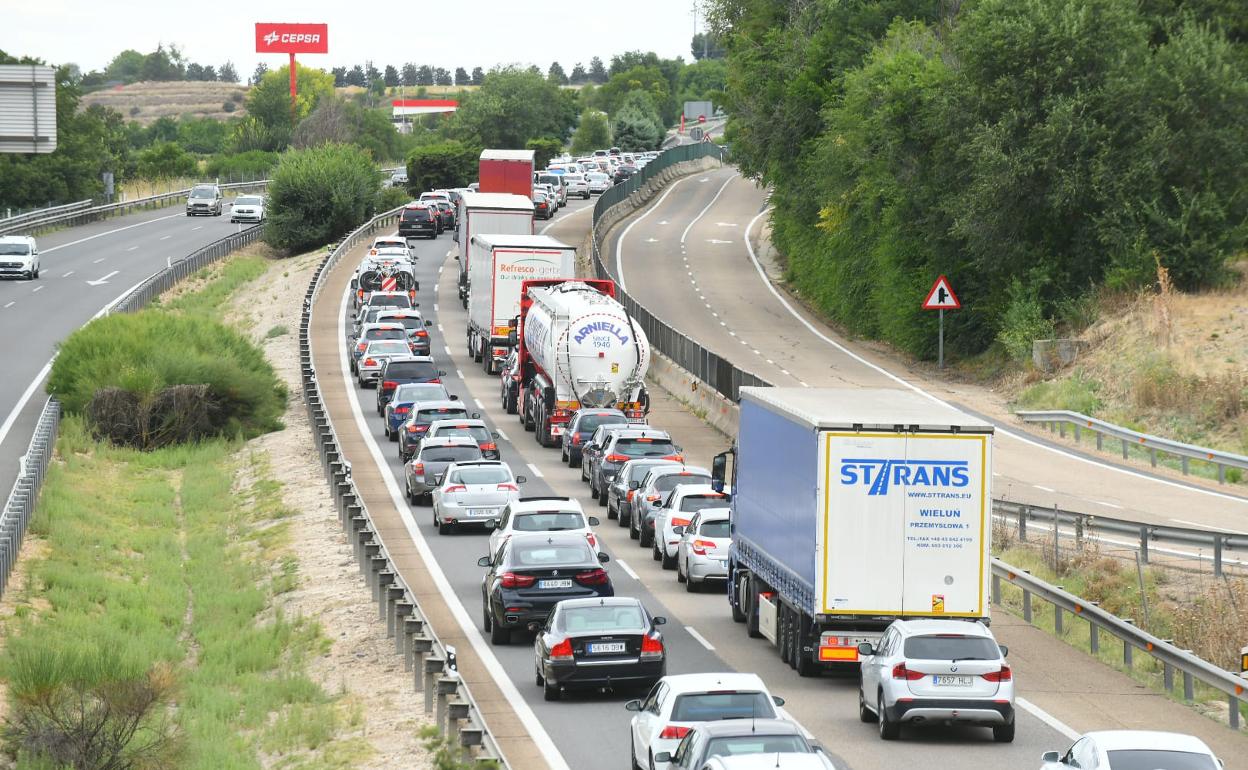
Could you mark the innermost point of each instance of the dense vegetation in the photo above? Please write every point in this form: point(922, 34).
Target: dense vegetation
point(320, 194)
point(1032, 150)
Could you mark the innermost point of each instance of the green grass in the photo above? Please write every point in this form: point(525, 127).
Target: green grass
point(279, 330)
point(225, 278)
point(1076, 393)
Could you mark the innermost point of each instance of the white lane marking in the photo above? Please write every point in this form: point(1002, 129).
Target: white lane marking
point(132, 248)
point(1043, 488)
point(71, 272)
point(535, 470)
point(440, 329)
point(197, 227)
point(619, 242)
point(435, 305)
point(447, 348)
point(1000, 431)
point(627, 569)
point(1205, 526)
point(727, 224)
point(702, 213)
point(565, 216)
point(699, 637)
point(165, 237)
point(773, 363)
point(501, 435)
point(508, 688)
point(11, 304)
point(37, 288)
point(104, 280)
point(110, 232)
point(459, 374)
point(98, 261)
point(480, 405)
point(1047, 718)
point(435, 289)
point(1107, 505)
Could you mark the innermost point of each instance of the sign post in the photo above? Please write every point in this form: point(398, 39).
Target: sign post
point(941, 297)
point(292, 39)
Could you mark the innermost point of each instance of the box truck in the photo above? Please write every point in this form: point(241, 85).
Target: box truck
point(851, 508)
point(480, 213)
point(506, 171)
point(499, 264)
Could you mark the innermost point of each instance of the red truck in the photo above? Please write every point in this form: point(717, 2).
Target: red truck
point(507, 171)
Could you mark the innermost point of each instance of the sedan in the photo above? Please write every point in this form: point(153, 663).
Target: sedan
point(446, 212)
point(577, 185)
point(592, 643)
point(473, 493)
point(548, 513)
point(423, 473)
point(783, 761)
point(597, 182)
point(738, 737)
point(542, 206)
point(413, 324)
point(374, 358)
point(581, 426)
point(702, 554)
point(247, 208)
point(1130, 749)
point(399, 407)
point(530, 574)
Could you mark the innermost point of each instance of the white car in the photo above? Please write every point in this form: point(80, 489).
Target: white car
point(374, 358)
point(598, 182)
point(1130, 749)
point(653, 490)
point(679, 702)
point(544, 514)
point(770, 762)
point(247, 208)
point(929, 671)
point(391, 243)
point(19, 257)
point(702, 554)
point(474, 493)
point(577, 186)
point(677, 511)
point(399, 300)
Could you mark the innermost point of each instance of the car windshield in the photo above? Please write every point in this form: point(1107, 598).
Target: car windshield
point(477, 433)
point(387, 348)
point(14, 249)
point(720, 528)
point(547, 521)
point(385, 334)
point(490, 475)
point(951, 647)
point(449, 454)
point(710, 706)
point(670, 481)
point(426, 416)
point(1141, 759)
point(692, 503)
point(390, 300)
point(590, 422)
point(202, 191)
point(420, 391)
point(423, 370)
point(644, 447)
point(600, 618)
point(637, 471)
point(549, 555)
point(248, 200)
point(756, 744)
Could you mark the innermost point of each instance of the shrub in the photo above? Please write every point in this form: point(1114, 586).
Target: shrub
point(253, 164)
point(543, 150)
point(227, 106)
point(447, 164)
point(392, 198)
point(1023, 322)
point(318, 195)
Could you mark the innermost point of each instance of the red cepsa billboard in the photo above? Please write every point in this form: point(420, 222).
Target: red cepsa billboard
point(292, 38)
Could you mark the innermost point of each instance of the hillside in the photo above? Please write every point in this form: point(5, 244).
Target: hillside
point(145, 102)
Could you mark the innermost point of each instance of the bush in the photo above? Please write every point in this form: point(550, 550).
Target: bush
point(123, 374)
point(392, 198)
point(253, 164)
point(166, 160)
point(1023, 322)
point(448, 164)
point(227, 106)
point(318, 195)
point(543, 150)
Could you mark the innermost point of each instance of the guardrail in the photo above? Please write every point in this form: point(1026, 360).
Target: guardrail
point(24, 216)
point(1057, 419)
point(1133, 638)
point(431, 662)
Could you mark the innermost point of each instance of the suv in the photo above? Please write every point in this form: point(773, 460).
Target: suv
point(205, 199)
point(622, 446)
point(401, 369)
point(929, 671)
point(418, 219)
point(19, 257)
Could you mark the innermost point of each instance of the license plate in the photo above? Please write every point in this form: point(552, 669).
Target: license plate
point(567, 583)
point(951, 681)
point(482, 511)
point(597, 648)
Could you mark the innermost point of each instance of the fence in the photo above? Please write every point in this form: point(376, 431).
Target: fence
point(432, 663)
point(21, 217)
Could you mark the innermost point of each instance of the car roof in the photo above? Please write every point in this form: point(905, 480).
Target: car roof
point(553, 538)
point(640, 433)
point(685, 490)
point(678, 469)
point(373, 294)
point(383, 343)
point(23, 239)
point(715, 514)
point(438, 404)
point(478, 464)
point(447, 441)
point(470, 421)
point(727, 727)
point(371, 325)
point(596, 410)
point(533, 504)
point(1147, 740)
point(410, 359)
point(601, 601)
point(726, 680)
point(923, 626)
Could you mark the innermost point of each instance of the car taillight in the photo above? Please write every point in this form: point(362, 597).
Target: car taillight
point(418, 468)
point(593, 577)
point(576, 439)
point(634, 414)
point(389, 385)
point(402, 409)
point(677, 458)
point(617, 458)
point(370, 362)
point(678, 522)
point(361, 346)
point(629, 497)
point(455, 488)
point(593, 541)
point(512, 580)
point(674, 732)
point(507, 486)
point(422, 333)
point(700, 547)
point(491, 447)
point(651, 647)
point(653, 498)
point(562, 651)
point(1004, 675)
point(901, 672)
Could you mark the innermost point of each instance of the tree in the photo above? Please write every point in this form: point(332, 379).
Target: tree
point(340, 76)
point(226, 73)
point(268, 102)
point(442, 77)
point(462, 78)
point(410, 77)
point(202, 135)
point(355, 77)
point(442, 165)
point(513, 106)
point(556, 74)
point(166, 160)
point(391, 76)
point(707, 45)
point(478, 76)
point(194, 71)
point(210, 73)
point(544, 149)
point(649, 79)
point(320, 194)
point(630, 59)
point(579, 75)
point(592, 133)
point(424, 75)
point(126, 66)
point(163, 65)
point(597, 72)
point(371, 73)
point(261, 70)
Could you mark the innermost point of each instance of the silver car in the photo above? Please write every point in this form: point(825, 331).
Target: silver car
point(577, 186)
point(423, 473)
point(374, 358)
point(247, 208)
point(598, 182)
point(702, 554)
point(620, 494)
point(652, 492)
point(474, 493)
point(205, 199)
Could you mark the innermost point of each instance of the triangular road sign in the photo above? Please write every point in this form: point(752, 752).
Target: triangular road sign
point(941, 296)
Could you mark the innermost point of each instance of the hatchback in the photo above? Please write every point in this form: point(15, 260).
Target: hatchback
point(652, 491)
point(1133, 750)
point(620, 491)
point(402, 369)
point(423, 473)
point(422, 415)
point(678, 511)
point(472, 428)
point(418, 219)
point(375, 356)
point(473, 493)
point(399, 407)
point(549, 513)
point(581, 426)
point(773, 738)
point(702, 553)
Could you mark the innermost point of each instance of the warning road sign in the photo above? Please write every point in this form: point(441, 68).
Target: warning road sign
point(941, 296)
point(389, 283)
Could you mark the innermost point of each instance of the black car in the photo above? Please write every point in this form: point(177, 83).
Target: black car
point(543, 207)
point(590, 643)
point(446, 211)
point(624, 173)
point(532, 573)
point(581, 426)
point(418, 219)
point(406, 369)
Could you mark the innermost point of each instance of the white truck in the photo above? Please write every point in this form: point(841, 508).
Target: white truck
point(480, 213)
point(498, 266)
point(851, 508)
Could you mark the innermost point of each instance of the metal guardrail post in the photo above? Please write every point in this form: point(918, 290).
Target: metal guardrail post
point(434, 666)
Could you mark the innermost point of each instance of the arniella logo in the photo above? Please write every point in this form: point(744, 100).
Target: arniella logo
point(878, 474)
point(601, 326)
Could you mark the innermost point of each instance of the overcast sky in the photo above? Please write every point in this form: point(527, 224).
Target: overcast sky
point(445, 33)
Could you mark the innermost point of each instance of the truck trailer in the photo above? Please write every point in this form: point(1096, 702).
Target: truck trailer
point(851, 508)
point(481, 213)
point(506, 171)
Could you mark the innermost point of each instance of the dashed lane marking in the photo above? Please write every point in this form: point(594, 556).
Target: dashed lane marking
point(536, 471)
point(627, 569)
point(1043, 488)
point(699, 637)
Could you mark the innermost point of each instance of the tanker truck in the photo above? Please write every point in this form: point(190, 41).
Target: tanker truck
point(576, 346)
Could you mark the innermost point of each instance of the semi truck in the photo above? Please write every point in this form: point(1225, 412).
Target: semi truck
point(576, 347)
point(851, 508)
point(506, 171)
point(497, 213)
point(498, 267)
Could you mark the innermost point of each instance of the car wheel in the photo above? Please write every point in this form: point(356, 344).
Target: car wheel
point(487, 621)
point(563, 455)
point(669, 562)
point(602, 498)
point(584, 471)
point(498, 634)
point(1003, 733)
point(655, 552)
point(411, 498)
point(632, 755)
point(680, 574)
point(537, 677)
point(551, 691)
point(633, 532)
point(393, 434)
point(36, 272)
point(864, 714)
point(621, 518)
point(889, 730)
point(645, 539)
point(612, 513)
point(444, 528)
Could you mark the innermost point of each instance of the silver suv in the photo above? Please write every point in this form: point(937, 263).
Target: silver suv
point(205, 199)
point(19, 257)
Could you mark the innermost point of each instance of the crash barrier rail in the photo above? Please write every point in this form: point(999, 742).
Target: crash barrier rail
point(1057, 419)
point(1082, 527)
point(716, 371)
point(32, 467)
point(1133, 638)
point(173, 272)
point(26, 216)
point(432, 663)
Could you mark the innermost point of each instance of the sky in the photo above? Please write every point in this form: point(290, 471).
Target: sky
point(441, 33)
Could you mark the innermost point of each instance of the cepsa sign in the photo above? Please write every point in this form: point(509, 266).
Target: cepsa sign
point(292, 38)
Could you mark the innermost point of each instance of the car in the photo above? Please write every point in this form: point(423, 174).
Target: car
point(401, 369)
point(418, 219)
point(371, 316)
point(933, 671)
point(598, 182)
point(577, 185)
point(473, 494)
point(620, 491)
point(414, 324)
point(592, 452)
point(702, 553)
point(653, 489)
point(19, 257)
point(423, 473)
point(205, 199)
point(785, 761)
point(474, 429)
point(599, 643)
point(743, 738)
point(399, 406)
point(446, 210)
point(374, 357)
point(398, 179)
point(393, 300)
point(1134, 750)
point(581, 425)
point(423, 414)
point(624, 173)
point(680, 702)
point(549, 513)
point(372, 333)
point(391, 243)
point(542, 206)
point(509, 382)
point(529, 574)
point(678, 510)
point(554, 184)
point(247, 208)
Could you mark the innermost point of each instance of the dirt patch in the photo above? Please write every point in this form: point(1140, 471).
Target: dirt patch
point(146, 102)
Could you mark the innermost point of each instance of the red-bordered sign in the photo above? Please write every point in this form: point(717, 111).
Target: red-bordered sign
point(941, 296)
point(291, 38)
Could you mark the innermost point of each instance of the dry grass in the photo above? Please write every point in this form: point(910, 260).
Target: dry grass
point(175, 99)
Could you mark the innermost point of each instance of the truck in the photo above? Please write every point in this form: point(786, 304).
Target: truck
point(507, 171)
point(498, 267)
point(498, 213)
point(851, 508)
point(576, 346)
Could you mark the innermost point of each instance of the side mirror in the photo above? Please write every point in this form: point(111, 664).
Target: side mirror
point(1050, 756)
point(719, 470)
point(663, 756)
point(484, 561)
point(776, 699)
point(634, 484)
point(491, 524)
point(521, 479)
point(593, 521)
point(1005, 650)
point(865, 648)
point(633, 705)
point(679, 529)
point(456, 257)
point(441, 373)
point(494, 434)
point(659, 620)
point(476, 415)
point(512, 339)
point(428, 322)
point(603, 558)
point(454, 398)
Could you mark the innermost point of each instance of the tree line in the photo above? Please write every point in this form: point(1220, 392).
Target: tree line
point(162, 64)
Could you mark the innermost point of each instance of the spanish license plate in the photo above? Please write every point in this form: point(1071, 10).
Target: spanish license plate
point(598, 648)
point(564, 583)
point(482, 511)
point(941, 680)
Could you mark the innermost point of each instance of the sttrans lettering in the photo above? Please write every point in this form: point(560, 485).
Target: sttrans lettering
point(601, 326)
point(880, 474)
